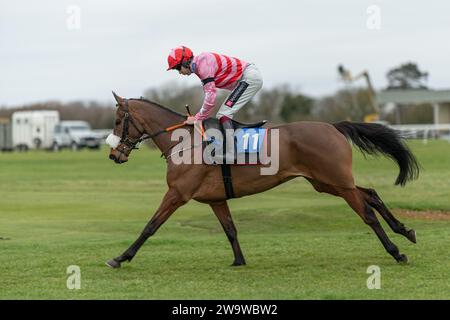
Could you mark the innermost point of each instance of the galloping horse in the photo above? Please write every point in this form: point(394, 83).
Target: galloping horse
point(316, 151)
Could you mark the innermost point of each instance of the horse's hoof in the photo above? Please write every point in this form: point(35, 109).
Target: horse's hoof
point(412, 236)
point(113, 264)
point(402, 259)
point(237, 264)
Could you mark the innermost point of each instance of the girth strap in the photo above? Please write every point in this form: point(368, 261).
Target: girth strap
point(227, 180)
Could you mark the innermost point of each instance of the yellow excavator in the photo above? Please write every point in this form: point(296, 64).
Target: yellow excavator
point(347, 77)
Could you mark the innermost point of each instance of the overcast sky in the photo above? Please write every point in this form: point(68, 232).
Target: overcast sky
point(123, 45)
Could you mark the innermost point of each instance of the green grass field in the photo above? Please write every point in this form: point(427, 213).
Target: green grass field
point(79, 208)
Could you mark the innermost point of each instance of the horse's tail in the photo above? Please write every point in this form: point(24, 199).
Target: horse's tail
point(374, 138)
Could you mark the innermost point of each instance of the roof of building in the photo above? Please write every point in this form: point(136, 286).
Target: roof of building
point(413, 96)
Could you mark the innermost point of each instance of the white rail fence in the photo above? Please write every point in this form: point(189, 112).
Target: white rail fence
point(424, 131)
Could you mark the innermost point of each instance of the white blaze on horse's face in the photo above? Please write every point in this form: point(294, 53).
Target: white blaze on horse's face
point(113, 141)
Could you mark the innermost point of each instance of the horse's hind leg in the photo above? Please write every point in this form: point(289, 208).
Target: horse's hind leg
point(357, 202)
point(375, 201)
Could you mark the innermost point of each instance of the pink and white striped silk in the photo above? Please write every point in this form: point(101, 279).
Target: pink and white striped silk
point(226, 72)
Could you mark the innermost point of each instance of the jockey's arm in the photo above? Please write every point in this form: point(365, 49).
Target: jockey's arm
point(209, 101)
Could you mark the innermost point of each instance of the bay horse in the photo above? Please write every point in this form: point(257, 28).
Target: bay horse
point(319, 152)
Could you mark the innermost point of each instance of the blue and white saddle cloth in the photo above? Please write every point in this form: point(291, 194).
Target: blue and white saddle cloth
point(248, 145)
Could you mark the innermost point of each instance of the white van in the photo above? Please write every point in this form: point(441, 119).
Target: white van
point(75, 135)
point(33, 129)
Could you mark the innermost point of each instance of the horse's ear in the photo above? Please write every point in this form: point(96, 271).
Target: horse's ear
point(118, 98)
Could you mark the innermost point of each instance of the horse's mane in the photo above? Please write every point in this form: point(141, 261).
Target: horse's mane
point(160, 106)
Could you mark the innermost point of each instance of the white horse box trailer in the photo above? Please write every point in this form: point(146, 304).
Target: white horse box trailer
point(33, 129)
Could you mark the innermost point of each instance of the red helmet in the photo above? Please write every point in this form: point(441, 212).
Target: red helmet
point(179, 55)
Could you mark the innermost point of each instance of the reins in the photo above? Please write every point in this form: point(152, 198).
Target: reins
point(129, 119)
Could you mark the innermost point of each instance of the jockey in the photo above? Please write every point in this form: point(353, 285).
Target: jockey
point(243, 79)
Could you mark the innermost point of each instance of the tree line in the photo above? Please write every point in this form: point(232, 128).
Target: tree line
point(278, 104)
point(98, 115)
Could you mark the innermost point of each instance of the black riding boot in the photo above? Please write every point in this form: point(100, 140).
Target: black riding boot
point(228, 155)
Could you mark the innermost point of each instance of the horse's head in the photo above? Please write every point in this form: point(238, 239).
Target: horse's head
point(128, 131)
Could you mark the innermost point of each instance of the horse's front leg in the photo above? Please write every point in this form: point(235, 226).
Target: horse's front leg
point(171, 201)
point(223, 214)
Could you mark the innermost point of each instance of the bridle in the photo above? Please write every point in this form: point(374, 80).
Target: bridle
point(127, 119)
point(131, 145)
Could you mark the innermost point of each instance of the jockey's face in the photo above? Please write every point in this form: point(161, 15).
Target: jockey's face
point(185, 71)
